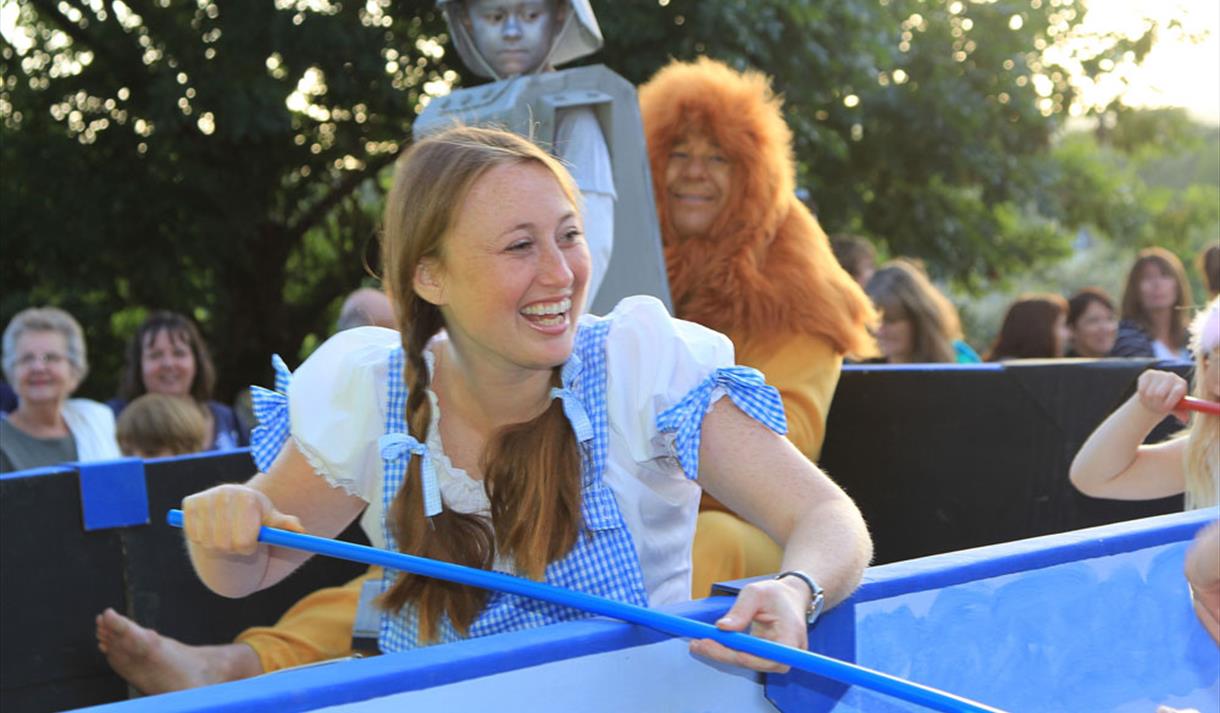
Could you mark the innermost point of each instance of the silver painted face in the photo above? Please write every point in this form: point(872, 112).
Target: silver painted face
point(513, 36)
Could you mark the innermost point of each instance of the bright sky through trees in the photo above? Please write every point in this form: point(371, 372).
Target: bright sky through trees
point(1183, 68)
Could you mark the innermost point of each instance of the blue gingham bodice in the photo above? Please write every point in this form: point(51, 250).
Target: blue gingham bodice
point(351, 390)
point(603, 561)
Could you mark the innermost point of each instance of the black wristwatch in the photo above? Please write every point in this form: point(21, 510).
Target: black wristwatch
point(818, 603)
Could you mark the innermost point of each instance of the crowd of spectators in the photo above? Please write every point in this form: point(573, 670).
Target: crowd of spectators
point(919, 324)
point(165, 404)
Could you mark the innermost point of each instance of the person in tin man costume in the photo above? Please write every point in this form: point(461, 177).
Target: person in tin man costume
point(588, 117)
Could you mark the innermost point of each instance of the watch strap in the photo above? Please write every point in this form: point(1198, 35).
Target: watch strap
point(817, 595)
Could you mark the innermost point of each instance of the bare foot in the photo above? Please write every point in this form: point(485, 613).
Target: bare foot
point(153, 663)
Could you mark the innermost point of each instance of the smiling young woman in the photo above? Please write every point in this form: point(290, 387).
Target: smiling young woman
point(505, 429)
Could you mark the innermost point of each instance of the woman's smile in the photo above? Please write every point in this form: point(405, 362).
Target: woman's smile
point(551, 317)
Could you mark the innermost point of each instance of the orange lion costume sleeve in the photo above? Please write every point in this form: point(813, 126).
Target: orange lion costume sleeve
point(763, 274)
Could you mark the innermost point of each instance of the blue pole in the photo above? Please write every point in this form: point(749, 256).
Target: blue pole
point(667, 623)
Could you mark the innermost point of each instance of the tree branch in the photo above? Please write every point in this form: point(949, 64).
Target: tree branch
point(338, 192)
point(125, 69)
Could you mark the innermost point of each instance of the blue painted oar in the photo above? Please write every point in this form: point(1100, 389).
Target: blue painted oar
point(666, 623)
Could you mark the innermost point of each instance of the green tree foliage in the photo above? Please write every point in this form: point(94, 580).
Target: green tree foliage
point(924, 124)
point(205, 158)
point(228, 160)
point(1142, 178)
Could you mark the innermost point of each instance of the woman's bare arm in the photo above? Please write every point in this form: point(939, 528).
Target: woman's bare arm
point(764, 478)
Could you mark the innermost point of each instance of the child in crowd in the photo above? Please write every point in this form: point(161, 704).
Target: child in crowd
point(1113, 464)
point(157, 425)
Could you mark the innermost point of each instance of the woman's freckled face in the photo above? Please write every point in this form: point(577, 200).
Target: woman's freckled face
point(514, 270)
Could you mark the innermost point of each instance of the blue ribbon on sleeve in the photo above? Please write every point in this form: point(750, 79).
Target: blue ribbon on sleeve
point(748, 390)
point(271, 411)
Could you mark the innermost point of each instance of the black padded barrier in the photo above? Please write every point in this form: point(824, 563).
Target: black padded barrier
point(55, 578)
point(943, 458)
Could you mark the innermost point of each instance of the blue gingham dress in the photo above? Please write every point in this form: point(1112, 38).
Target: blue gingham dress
point(604, 561)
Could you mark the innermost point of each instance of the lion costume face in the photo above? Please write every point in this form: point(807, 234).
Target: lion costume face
point(764, 266)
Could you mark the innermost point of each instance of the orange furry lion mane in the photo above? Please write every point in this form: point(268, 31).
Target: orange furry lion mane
point(766, 267)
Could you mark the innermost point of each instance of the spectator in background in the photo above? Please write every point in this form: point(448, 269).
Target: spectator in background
point(156, 425)
point(1154, 308)
point(918, 323)
point(856, 255)
point(44, 358)
point(1209, 268)
point(1035, 327)
point(1092, 323)
point(366, 307)
point(167, 356)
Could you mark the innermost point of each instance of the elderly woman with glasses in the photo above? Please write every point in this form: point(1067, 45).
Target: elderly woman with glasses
point(44, 360)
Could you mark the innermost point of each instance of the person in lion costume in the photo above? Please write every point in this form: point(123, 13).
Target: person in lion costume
point(747, 258)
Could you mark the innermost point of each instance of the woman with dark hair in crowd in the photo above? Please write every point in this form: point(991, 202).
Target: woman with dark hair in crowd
point(44, 358)
point(1035, 327)
point(918, 323)
point(1154, 308)
point(1092, 323)
point(168, 356)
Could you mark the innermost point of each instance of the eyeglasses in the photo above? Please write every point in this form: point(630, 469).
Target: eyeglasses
point(48, 359)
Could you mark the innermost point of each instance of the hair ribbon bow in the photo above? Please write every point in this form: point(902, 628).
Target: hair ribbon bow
point(393, 445)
